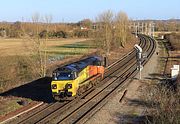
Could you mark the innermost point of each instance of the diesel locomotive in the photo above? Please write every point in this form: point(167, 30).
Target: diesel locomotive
point(75, 78)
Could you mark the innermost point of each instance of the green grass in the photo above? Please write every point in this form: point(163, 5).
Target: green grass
point(77, 45)
point(68, 50)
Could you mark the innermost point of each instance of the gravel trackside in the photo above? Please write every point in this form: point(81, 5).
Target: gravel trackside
point(131, 108)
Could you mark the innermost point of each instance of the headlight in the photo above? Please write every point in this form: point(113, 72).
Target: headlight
point(69, 86)
point(54, 86)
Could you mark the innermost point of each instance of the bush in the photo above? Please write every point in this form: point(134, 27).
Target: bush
point(43, 34)
point(61, 34)
point(166, 106)
point(53, 34)
point(174, 39)
point(83, 33)
point(15, 70)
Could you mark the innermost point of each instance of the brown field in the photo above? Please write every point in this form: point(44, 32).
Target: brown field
point(9, 47)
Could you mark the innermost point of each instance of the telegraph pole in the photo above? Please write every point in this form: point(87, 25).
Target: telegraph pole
point(153, 30)
point(136, 30)
point(146, 25)
point(134, 27)
point(142, 28)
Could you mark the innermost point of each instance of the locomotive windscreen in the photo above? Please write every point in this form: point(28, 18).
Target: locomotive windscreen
point(64, 76)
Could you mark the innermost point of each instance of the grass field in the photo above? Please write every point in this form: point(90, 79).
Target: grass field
point(70, 49)
point(10, 47)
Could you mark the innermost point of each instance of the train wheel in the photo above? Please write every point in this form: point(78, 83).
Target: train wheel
point(90, 84)
point(94, 83)
point(99, 79)
point(56, 98)
point(79, 92)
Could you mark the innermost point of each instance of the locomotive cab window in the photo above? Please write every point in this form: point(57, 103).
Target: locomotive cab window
point(97, 63)
point(64, 76)
point(54, 76)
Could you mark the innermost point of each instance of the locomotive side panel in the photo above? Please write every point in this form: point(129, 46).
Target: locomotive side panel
point(92, 70)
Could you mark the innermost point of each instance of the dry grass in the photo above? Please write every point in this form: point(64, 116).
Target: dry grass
point(9, 104)
point(10, 47)
point(165, 104)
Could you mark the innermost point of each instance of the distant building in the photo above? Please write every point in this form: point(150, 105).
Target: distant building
point(83, 28)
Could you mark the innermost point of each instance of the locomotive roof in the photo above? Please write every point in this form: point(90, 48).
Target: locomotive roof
point(79, 65)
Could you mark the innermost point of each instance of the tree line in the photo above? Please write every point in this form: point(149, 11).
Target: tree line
point(81, 29)
point(169, 25)
point(174, 40)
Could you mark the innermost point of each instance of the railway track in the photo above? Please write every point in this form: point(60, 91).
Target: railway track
point(87, 108)
point(81, 108)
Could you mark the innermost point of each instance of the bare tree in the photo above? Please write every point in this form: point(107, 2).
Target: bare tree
point(48, 19)
point(121, 28)
point(103, 35)
point(38, 47)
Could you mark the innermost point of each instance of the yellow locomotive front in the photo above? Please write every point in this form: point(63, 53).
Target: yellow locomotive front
point(64, 84)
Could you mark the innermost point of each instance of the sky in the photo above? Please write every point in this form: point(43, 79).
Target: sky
point(76, 10)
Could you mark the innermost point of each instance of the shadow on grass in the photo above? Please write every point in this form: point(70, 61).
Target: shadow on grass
point(174, 57)
point(164, 80)
point(79, 46)
point(65, 53)
point(158, 77)
point(38, 90)
point(137, 102)
point(133, 119)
